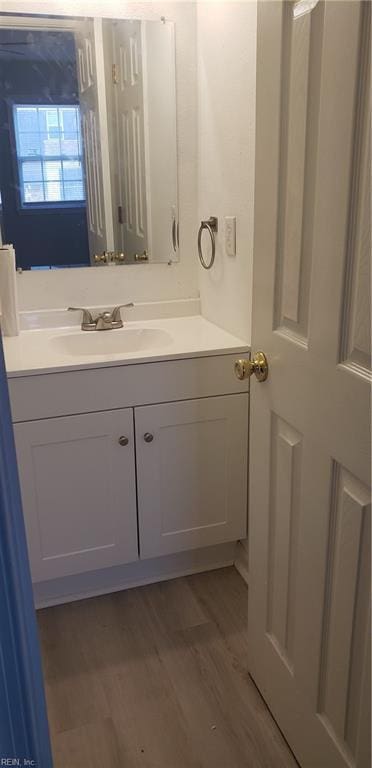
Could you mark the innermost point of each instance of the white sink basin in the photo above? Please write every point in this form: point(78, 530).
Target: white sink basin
point(111, 342)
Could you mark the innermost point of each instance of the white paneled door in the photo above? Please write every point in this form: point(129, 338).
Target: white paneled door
point(309, 596)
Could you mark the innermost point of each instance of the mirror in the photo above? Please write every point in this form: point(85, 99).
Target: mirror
point(88, 146)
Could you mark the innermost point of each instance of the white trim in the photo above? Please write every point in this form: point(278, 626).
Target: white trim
point(140, 573)
point(241, 561)
point(38, 22)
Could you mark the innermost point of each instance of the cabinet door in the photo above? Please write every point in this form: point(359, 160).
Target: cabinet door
point(192, 476)
point(78, 491)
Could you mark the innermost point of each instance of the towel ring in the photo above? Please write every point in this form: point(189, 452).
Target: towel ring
point(211, 225)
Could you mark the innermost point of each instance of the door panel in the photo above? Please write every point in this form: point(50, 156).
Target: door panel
point(192, 478)
point(356, 329)
point(78, 490)
point(130, 138)
point(286, 460)
point(93, 109)
point(309, 603)
point(348, 521)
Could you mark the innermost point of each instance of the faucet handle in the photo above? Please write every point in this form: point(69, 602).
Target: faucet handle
point(116, 316)
point(87, 317)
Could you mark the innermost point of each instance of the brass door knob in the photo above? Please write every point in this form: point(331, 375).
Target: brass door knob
point(258, 365)
point(148, 437)
point(123, 440)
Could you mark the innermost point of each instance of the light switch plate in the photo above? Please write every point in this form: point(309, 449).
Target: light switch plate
point(230, 235)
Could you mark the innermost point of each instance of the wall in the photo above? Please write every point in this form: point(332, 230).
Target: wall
point(160, 133)
point(220, 146)
point(226, 126)
point(143, 282)
point(226, 156)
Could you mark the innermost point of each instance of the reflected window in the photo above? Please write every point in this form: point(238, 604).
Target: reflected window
point(49, 154)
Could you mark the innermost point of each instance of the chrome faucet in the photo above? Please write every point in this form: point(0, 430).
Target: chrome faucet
point(105, 321)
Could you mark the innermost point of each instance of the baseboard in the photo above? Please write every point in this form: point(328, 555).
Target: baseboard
point(95, 583)
point(241, 561)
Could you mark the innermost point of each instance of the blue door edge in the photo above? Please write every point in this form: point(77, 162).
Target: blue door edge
point(24, 730)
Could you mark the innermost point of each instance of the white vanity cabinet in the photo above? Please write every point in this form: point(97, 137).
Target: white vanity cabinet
point(192, 473)
point(78, 491)
point(130, 473)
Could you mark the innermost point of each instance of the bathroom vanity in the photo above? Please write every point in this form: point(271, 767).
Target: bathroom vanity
point(132, 443)
point(133, 452)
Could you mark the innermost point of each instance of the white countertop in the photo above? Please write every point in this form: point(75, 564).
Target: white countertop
point(39, 351)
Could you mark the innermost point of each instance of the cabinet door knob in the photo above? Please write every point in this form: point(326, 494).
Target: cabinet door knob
point(148, 437)
point(123, 440)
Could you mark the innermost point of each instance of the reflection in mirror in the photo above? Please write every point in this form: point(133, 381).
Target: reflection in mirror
point(88, 154)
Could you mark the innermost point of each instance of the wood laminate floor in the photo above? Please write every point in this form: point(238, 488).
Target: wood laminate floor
point(156, 677)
